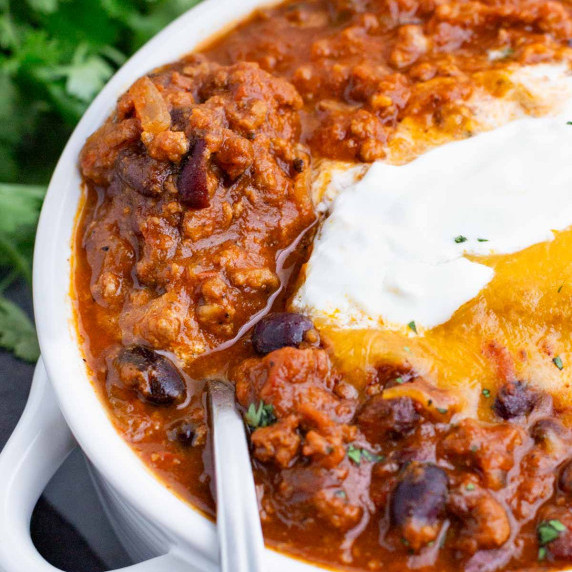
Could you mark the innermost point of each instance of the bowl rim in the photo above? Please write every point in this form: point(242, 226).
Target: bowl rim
point(181, 526)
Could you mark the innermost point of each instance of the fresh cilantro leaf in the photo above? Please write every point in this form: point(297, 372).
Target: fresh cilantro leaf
point(482, 239)
point(460, 238)
point(470, 487)
point(412, 326)
point(558, 362)
point(85, 75)
point(542, 552)
point(19, 205)
point(19, 211)
point(261, 416)
point(55, 55)
point(17, 333)
point(45, 6)
point(486, 393)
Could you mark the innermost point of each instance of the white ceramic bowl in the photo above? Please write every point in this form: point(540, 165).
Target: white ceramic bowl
point(153, 524)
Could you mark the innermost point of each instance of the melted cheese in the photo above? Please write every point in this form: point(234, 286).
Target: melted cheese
point(491, 310)
point(396, 245)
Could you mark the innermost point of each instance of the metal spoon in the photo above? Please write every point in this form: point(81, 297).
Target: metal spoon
point(238, 521)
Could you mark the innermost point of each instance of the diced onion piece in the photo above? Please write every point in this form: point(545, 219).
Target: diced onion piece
point(150, 107)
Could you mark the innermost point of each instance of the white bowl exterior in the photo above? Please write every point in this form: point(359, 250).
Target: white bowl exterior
point(133, 494)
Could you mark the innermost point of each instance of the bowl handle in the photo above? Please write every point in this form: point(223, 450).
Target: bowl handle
point(37, 448)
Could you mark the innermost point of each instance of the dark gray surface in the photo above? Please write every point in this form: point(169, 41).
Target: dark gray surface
point(69, 526)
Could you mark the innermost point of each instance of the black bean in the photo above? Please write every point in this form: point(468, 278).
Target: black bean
point(514, 399)
point(420, 494)
point(192, 182)
point(154, 377)
point(279, 330)
point(565, 480)
point(142, 173)
point(298, 165)
point(182, 432)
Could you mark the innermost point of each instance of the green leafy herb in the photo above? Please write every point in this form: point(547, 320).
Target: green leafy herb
point(482, 239)
point(260, 416)
point(341, 494)
point(549, 530)
point(55, 56)
point(460, 238)
point(558, 362)
point(486, 393)
point(470, 487)
point(542, 553)
point(17, 333)
point(569, 123)
point(407, 348)
point(357, 454)
point(399, 380)
point(560, 288)
point(442, 410)
point(412, 326)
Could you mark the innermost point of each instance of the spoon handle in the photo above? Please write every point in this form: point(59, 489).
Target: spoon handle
point(238, 521)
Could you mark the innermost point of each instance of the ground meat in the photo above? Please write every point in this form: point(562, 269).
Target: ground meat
point(279, 442)
point(484, 521)
point(205, 272)
point(488, 448)
point(381, 418)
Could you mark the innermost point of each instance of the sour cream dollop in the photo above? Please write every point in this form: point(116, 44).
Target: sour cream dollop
point(394, 247)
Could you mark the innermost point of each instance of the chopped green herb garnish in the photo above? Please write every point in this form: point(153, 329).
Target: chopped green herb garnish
point(261, 416)
point(557, 525)
point(569, 123)
point(474, 448)
point(404, 541)
point(482, 239)
point(354, 454)
point(542, 553)
point(486, 393)
point(341, 494)
point(442, 410)
point(550, 530)
point(560, 287)
point(407, 348)
point(357, 454)
point(460, 238)
point(558, 362)
point(412, 326)
point(470, 487)
point(399, 380)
